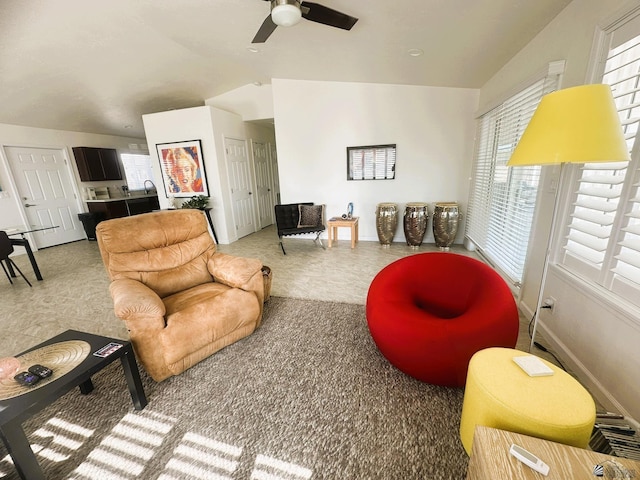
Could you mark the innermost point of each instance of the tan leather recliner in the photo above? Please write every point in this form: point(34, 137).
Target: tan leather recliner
point(180, 299)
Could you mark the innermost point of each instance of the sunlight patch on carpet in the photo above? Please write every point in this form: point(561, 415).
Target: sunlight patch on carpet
point(197, 455)
point(268, 468)
point(124, 453)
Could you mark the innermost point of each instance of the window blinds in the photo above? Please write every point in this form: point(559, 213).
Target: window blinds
point(503, 200)
point(376, 162)
point(137, 169)
point(602, 242)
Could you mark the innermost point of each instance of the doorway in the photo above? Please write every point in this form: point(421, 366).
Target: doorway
point(264, 196)
point(240, 185)
point(43, 181)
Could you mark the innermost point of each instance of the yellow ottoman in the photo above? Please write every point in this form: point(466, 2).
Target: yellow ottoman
point(499, 394)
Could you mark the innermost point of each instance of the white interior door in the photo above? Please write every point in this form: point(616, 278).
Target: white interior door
point(264, 200)
point(240, 185)
point(46, 192)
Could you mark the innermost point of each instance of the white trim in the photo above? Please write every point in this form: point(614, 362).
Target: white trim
point(588, 379)
point(623, 309)
point(598, 58)
point(553, 68)
point(603, 29)
point(620, 16)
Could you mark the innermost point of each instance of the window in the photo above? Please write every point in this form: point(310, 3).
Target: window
point(376, 162)
point(137, 169)
point(503, 200)
point(602, 228)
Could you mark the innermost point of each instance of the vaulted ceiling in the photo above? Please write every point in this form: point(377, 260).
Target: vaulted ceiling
point(99, 66)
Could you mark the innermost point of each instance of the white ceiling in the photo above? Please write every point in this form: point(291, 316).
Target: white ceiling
point(96, 66)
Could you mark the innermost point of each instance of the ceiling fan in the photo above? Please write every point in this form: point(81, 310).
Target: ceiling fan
point(286, 13)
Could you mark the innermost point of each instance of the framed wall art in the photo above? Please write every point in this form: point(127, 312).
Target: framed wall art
point(182, 167)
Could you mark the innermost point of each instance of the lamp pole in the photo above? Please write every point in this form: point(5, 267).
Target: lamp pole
point(547, 257)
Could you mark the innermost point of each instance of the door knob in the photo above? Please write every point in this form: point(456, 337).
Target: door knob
point(29, 205)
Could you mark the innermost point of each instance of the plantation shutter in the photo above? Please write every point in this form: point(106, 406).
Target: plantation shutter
point(503, 200)
point(602, 243)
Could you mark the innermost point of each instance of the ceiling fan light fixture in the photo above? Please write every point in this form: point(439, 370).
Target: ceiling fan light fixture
point(285, 13)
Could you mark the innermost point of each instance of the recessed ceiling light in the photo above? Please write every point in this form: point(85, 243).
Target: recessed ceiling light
point(415, 52)
point(253, 49)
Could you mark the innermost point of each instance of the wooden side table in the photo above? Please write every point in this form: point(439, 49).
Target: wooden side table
point(490, 458)
point(335, 223)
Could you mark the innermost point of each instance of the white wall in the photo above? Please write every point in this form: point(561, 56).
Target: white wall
point(251, 102)
point(11, 208)
point(433, 129)
point(209, 125)
point(184, 125)
point(594, 338)
point(260, 132)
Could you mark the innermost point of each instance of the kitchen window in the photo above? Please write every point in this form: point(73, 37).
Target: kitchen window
point(137, 170)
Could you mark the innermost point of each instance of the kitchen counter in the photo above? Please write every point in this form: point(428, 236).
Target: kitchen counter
point(124, 206)
point(118, 199)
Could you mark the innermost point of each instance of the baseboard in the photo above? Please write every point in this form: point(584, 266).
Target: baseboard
point(586, 378)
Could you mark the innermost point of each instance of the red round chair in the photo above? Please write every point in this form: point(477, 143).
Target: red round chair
point(429, 313)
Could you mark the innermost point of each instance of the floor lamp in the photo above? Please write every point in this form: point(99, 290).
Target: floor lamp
point(574, 125)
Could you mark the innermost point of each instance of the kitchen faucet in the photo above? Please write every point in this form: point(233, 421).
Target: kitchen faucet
point(146, 191)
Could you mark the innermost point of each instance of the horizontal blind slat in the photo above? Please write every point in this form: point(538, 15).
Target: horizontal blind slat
point(502, 200)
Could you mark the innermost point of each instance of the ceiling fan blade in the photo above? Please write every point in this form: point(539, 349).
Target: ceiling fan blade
point(327, 16)
point(266, 29)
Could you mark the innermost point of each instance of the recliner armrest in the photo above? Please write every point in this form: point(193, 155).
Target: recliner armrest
point(233, 271)
point(134, 300)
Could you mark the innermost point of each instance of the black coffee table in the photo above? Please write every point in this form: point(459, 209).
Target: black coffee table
point(14, 411)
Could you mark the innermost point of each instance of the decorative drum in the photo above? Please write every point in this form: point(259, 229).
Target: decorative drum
point(416, 216)
point(445, 224)
point(386, 222)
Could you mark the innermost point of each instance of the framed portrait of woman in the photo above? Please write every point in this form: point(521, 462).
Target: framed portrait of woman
point(182, 167)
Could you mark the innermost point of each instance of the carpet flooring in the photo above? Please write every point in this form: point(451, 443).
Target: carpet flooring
point(306, 396)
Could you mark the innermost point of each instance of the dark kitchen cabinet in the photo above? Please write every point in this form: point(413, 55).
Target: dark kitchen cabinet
point(125, 207)
point(110, 210)
point(142, 205)
point(97, 164)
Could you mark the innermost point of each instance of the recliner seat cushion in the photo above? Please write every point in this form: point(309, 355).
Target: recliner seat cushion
point(204, 314)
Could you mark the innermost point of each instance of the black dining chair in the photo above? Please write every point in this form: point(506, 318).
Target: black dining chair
point(6, 249)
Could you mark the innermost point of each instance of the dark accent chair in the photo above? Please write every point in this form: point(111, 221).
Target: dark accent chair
point(6, 249)
point(288, 221)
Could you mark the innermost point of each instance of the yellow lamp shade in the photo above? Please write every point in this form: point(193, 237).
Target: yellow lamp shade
point(574, 125)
